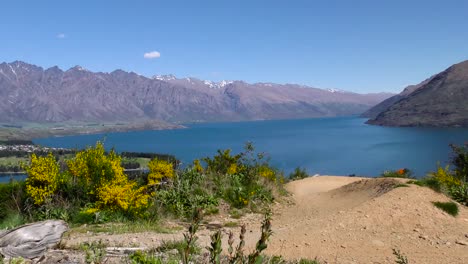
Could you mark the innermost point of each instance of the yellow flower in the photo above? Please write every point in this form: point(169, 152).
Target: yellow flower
point(232, 169)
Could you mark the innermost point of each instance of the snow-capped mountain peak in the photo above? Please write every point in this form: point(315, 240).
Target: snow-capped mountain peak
point(331, 90)
point(167, 77)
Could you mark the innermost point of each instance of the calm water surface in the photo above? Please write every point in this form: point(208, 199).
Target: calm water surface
point(334, 146)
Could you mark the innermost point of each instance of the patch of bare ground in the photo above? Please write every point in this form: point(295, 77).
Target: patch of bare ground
point(355, 220)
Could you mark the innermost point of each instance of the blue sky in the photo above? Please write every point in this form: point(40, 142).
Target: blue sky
point(361, 46)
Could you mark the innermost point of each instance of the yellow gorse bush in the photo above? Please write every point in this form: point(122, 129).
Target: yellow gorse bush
point(124, 196)
point(43, 178)
point(159, 169)
point(267, 172)
point(445, 176)
point(232, 169)
point(103, 177)
point(197, 166)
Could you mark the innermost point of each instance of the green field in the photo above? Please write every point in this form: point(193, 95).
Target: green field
point(12, 161)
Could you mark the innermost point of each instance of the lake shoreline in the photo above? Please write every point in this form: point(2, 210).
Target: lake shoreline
point(33, 132)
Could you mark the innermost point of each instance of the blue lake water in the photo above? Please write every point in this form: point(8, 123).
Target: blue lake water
point(11, 177)
point(333, 146)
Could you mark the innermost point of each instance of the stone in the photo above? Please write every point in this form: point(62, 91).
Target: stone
point(462, 242)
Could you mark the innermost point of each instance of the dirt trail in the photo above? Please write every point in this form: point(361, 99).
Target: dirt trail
point(354, 220)
point(342, 220)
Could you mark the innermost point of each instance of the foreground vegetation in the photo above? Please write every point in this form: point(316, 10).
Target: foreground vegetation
point(451, 181)
point(91, 186)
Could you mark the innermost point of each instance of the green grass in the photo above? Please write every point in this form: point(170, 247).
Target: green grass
point(429, 182)
point(8, 161)
point(308, 261)
point(401, 185)
point(126, 227)
point(231, 224)
point(12, 220)
point(179, 245)
point(236, 213)
point(142, 161)
point(450, 208)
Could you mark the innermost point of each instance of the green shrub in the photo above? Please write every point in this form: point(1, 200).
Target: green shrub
point(186, 192)
point(429, 182)
point(400, 258)
point(140, 257)
point(450, 208)
point(94, 251)
point(12, 220)
point(445, 177)
point(298, 174)
point(401, 173)
point(12, 199)
point(308, 261)
point(460, 161)
point(459, 193)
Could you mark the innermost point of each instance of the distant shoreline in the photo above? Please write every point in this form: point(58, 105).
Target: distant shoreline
point(35, 131)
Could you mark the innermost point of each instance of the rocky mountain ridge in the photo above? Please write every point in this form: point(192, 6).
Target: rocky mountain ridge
point(33, 94)
point(439, 101)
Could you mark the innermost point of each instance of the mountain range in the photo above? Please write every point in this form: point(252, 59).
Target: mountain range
point(32, 94)
point(439, 101)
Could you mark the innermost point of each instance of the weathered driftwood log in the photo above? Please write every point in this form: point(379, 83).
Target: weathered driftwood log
point(31, 240)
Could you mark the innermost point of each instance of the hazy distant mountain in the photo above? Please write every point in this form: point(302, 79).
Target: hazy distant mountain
point(441, 100)
point(32, 94)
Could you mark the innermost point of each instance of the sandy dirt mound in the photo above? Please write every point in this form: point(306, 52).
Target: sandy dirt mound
point(354, 220)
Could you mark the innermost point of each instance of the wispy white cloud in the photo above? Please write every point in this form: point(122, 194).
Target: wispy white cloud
point(61, 36)
point(152, 55)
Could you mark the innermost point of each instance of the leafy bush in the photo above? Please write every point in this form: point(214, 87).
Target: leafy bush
point(187, 191)
point(451, 182)
point(94, 251)
point(450, 208)
point(460, 161)
point(242, 180)
point(298, 174)
point(12, 196)
point(459, 193)
point(445, 177)
point(401, 173)
point(429, 182)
